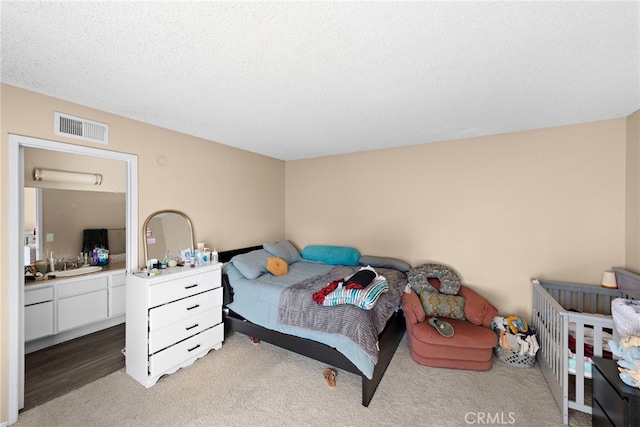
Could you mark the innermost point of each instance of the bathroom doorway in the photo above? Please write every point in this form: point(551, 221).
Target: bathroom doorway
point(16, 161)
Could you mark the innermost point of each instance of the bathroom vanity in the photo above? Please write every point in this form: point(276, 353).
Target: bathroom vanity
point(66, 308)
point(174, 317)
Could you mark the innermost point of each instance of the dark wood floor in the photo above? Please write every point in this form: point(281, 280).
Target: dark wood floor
point(57, 370)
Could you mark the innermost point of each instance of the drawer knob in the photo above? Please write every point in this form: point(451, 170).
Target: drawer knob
point(192, 307)
point(191, 286)
point(191, 349)
point(191, 327)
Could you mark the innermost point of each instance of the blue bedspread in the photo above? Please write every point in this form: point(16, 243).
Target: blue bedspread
point(258, 302)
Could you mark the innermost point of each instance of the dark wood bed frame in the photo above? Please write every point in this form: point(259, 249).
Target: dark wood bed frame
point(388, 341)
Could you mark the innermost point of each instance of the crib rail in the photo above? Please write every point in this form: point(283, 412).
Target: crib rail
point(628, 283)
point(553, 312)
point(549, 320)
point(597, 325)
point(582, 298)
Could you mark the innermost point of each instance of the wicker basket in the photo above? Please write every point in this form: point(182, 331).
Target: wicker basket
point(514, 359)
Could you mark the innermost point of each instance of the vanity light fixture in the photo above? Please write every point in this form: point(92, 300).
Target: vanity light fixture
point(48, 175)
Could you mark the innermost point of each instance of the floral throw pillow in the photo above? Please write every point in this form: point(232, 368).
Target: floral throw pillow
point(442, 305)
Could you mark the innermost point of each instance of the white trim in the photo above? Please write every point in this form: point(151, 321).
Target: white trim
point(16, 282)
point(17, 143)
point(39, 239)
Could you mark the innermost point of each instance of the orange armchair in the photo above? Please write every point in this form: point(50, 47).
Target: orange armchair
point(471, 346)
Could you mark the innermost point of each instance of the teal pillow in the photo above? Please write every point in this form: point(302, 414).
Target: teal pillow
point(333, 255)
point(283, 249)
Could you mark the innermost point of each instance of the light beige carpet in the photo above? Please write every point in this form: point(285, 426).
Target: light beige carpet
point(247, 385)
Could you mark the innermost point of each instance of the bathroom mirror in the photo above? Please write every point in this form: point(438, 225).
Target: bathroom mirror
point(166, 230)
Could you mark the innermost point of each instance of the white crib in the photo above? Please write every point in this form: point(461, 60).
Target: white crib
point(558, 304)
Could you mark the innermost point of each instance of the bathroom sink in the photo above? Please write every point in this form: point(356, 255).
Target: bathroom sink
point(75, 271)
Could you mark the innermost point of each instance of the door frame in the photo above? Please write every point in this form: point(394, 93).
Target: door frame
point(17, 144)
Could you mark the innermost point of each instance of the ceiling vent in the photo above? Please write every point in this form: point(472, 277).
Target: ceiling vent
point(75, 127)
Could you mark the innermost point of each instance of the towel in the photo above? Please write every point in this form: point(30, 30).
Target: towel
point(96, 238)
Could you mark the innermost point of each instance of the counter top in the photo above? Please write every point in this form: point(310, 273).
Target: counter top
point(111, 267)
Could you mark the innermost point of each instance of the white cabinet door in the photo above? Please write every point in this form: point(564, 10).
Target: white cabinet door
point(81, 309)
point(117, 294)
point(38, 320)
point(38, 313)
point(117, 301)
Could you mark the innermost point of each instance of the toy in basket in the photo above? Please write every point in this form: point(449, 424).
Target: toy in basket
point(517, 344)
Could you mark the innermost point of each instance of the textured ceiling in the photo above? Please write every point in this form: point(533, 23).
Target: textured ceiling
point(295, 80)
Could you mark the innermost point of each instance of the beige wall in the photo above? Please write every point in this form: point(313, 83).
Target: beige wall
point(632, 219)
point(234, 198)
point(499, 209)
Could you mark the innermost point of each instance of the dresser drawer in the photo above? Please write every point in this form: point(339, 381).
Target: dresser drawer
point(598, 416)
point(167, 314)
point(166, 292)
point(163, 338)
point(163, 361)
point(610, 401)
point(37, 296)
point(82, 286)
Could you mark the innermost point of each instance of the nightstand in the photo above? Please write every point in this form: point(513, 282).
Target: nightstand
point(614, 402)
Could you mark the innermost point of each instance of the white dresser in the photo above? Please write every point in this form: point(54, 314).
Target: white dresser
point(173, 318)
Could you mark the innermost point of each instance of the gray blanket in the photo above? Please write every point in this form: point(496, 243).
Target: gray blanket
point(362, 327)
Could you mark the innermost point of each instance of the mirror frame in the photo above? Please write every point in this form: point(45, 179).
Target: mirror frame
point(150, 217)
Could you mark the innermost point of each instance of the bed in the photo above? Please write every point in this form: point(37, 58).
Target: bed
point(255, 312)
point(573, 322)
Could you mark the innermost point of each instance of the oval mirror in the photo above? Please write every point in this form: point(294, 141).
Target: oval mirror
point(164, 231)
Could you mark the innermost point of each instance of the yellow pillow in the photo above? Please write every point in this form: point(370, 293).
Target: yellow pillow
point(277, 266)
